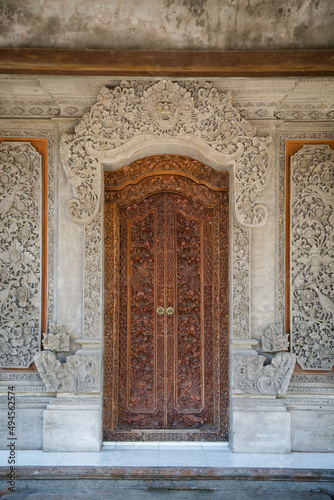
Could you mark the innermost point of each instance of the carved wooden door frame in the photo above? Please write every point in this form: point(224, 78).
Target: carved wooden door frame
point(142, 178)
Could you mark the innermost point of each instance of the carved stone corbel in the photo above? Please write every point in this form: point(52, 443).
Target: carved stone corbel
point(250, 374)
point(79, 374)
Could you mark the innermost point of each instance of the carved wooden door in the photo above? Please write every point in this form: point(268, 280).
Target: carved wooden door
point(166, 338)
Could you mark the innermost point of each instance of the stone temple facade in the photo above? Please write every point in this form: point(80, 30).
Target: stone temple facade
point(271, 356)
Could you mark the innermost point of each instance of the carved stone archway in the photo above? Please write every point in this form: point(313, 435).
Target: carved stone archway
point(165, 117)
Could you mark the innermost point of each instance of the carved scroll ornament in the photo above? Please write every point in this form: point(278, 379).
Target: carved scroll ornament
point(251, 376)
point(79, 374)
point(187, 113)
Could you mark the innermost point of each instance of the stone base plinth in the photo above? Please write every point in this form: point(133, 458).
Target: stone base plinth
point(312, 429)
point(28, 422)
point(72, 425)
point(257, 429)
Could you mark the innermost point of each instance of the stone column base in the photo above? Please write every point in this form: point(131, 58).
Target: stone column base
point(258, 428)
point(72, 424)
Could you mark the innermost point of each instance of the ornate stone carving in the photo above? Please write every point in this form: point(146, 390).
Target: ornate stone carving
point(250, 374)
point(92, 279)
point(58, 338)
point(79, 374)
point(20, 250)
point(304, 112)
point(26, 389)
point(50, 135)
point(312, 256)
point(239, 401)
point(185, 111)
point(311, 390)
point(274, 339)
point(317, 402)
point(307, 378)
point(19, 376)
point(241, 281)
point(284, 137)
point(37, 109)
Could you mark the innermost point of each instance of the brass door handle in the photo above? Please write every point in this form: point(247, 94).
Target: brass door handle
point(160, 311)
point(170, 311)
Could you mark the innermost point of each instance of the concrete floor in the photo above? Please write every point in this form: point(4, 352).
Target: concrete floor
point(165, 454)
point(157, 471)
point(163, 495)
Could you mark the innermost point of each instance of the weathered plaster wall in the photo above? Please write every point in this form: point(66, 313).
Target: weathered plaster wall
point(167, 24)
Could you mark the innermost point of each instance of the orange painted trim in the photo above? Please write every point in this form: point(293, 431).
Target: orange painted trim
point(291, 147)
point(41, 145)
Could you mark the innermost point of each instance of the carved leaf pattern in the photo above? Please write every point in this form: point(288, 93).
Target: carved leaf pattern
point(92, 284)
point(20, 253)
point(141, 330)
point(241, 281)
point(189, 322)
point(142, 232)
point(312, 256)
point(190, 336)
point(138, 328)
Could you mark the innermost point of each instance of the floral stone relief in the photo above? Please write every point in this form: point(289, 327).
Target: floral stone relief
point(186, 111)
point(80, 374)
point(58, 338)
point(241, 281)
point(274, 339)
point(20, 253)
point(312, 256)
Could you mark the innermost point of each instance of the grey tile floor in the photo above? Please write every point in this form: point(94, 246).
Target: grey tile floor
point(171, 455)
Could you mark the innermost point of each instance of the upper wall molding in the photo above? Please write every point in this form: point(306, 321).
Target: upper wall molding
point(196, 117)
point(171, 63)
point(276, 99)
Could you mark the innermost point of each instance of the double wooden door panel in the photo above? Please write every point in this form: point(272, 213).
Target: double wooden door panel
point(165, 325)
point(166, 301)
